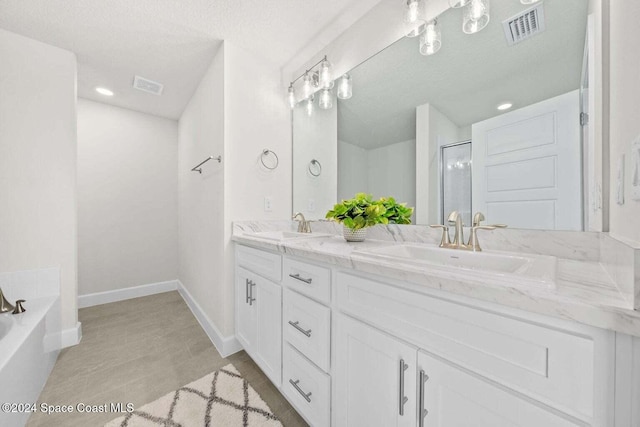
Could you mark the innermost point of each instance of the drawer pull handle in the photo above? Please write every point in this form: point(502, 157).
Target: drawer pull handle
point(422, 411)
point(249, 288)
point(302, 279)
point(402, 398)
point(307, 396)
point(296, 325)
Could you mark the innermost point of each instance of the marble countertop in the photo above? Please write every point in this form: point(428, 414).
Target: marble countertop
point(585, 292)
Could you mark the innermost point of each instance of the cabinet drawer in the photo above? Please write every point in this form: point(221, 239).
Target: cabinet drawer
point(306, 387)
point(307, 325)
point(264, 263)
point(553, 366)
point(308, 279)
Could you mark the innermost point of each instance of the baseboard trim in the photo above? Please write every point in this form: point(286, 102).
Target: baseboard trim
point(100, 298)
point(226, 346)
point(70, 337)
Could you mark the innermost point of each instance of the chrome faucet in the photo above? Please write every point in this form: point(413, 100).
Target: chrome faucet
point(458, 240)
point(304, 226)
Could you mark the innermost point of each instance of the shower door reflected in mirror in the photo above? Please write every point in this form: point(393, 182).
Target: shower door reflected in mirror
point(455, 180)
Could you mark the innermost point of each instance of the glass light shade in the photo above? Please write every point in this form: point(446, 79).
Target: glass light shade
point(345, 87)
point(414, 18)
point(476, 16)
point(309, 106)
point(325, 101)
point(458, 3)
point(529, 1)
point(307, 87)
point(431, 39)
point(326, 74)
point(291, 97)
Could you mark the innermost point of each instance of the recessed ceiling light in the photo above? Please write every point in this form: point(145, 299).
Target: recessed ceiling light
point(104, 91)
point(505, 106)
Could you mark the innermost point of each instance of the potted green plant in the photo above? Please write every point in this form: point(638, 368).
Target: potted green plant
point(395, 213)
point(362, 211)
point(356, 215)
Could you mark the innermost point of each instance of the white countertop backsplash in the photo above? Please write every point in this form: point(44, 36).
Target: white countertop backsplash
point(596, 277)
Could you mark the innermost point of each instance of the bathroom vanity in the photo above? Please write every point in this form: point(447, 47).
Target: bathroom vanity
point(353, 339)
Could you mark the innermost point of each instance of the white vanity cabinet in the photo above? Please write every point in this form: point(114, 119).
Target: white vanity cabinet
point(364, 350)
point(454, 397)
point(259, 309)
point(374, 377)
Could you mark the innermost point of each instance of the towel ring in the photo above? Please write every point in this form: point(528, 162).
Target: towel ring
point(264, 154)
point(314, 162)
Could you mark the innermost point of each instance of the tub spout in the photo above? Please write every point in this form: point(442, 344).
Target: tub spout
point(5, 306)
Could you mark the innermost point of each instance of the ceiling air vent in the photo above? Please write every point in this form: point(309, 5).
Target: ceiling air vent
point(147, 85)
point(524, 25)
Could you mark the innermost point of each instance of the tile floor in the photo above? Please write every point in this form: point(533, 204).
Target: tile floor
point(137, 351)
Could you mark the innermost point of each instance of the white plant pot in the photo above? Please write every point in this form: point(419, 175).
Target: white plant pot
point(351, 235)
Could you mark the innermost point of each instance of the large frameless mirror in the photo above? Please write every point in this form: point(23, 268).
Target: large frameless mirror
point(484, 124)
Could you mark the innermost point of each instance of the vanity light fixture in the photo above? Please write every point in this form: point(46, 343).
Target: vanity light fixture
point(291, 96)
point(309, 105)
point(345, 87)
point(475, 16)
point(414, 18)
point(325, 102)
point(313, 79)
point(325, 75)
point(307, 89)
point(505, 106)
point(104, 91)
point(431, 39)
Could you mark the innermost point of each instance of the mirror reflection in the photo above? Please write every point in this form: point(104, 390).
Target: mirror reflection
point(485, 124)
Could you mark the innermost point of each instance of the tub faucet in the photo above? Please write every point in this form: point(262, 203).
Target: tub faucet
point(5, 306)
point(304, 226)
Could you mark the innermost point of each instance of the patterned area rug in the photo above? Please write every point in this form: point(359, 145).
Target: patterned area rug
point(222, 398)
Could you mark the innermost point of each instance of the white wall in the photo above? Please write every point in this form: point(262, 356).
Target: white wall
point(256, 117)
point(127, 198)
point(201, 196)
point(38, 163)
point(237, 111)
point(625, 110)
point(352, 170)
point(316, 138)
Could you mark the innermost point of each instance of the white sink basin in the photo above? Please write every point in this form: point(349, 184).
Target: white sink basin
point(281, 236)
point(538, 269)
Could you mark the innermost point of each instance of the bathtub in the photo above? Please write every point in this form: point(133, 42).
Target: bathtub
point(29, 346)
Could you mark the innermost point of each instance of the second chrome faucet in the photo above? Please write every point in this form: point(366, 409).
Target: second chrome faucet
point(455, 219)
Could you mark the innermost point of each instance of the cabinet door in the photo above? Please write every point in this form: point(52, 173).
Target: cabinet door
point(453, 397)
point(269, 326)
point(370, 387)
point(246, 317)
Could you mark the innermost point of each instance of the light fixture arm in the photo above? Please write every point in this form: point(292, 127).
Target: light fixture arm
point(307, 71)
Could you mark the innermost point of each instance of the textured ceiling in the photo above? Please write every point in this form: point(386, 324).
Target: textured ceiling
point(169, 41)
point(468, 77)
